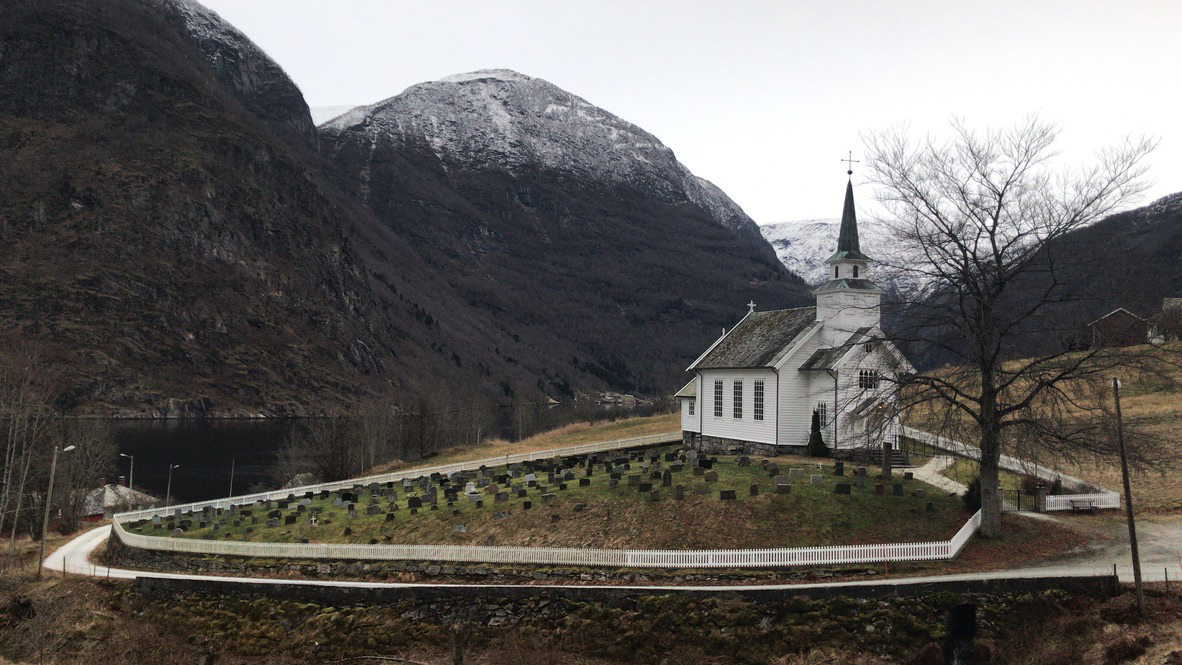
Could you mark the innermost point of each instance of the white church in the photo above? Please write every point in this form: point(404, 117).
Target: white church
point(755, 389)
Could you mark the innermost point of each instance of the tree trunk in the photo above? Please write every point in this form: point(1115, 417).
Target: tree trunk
point(990, 498)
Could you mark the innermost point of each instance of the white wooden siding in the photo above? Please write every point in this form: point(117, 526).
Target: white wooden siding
point(796, 399)
point(689, 422)
point(746, 428)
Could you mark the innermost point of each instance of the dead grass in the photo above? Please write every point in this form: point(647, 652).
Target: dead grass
point(570, 435)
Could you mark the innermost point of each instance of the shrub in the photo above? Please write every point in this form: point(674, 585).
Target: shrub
point(972, 495)
point(1056, 487)
point(816, 446)
point(1030, 485)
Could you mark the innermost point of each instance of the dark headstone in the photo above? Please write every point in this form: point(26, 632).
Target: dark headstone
point(839, 468)
point(527, 504)
point(727, 495)
point(390, 517)
point(897, 489)
point(654, 495)
point(667, 479)
point(644, 487)
point(698, 471)
point(679, 492)
point(842, 488)
point(584, 482)
point(578, 507)
point(289, 519)
point(907, 475)
point(930, 507)
point(879, 488)
point(753, 490)
point(711, 476)
point(414, 502)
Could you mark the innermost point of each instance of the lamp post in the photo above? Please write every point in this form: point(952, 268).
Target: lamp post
point(168, 492)
point(48, 503)
point(131, 473)
point(231, 477)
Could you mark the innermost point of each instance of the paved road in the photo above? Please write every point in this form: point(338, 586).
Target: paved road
point(1161, 540)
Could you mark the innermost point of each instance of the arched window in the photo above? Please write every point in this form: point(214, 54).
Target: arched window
point(835, 272)
point(855, 271)
point(868, 379)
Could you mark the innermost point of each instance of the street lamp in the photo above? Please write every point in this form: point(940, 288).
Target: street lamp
point(48, 502)
point(168, 492)
point(131, 474)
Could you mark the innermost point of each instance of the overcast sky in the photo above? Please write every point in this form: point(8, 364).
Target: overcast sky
point(764, 97)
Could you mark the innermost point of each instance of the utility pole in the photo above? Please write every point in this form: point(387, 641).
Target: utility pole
point(168, 492)
point(1124, 472)
point(48, 503)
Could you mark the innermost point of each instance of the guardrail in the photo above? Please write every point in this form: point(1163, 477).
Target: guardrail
point(582, 449)
point(755, 558)
point(1104, 499)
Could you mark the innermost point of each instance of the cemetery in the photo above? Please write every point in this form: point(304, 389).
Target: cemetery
point(654, 498)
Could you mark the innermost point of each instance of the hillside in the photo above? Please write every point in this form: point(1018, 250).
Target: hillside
point(177, 245)
point(575, 231)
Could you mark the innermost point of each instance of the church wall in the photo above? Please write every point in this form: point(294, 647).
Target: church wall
point(852, 431)
point(689, 422)
point(845, 311)
point(796, 402)
point(745, 428)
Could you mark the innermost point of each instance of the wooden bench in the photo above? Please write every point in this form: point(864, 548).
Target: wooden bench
point(1083, 504)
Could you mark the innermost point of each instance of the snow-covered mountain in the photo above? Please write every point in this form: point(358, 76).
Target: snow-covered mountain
point(803, 246)
point(322, 114)
point(243, 68)
point(503, 120)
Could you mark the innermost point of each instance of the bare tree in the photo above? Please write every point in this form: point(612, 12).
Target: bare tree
point(25, 418)
point(983, 218)
point(82, 470)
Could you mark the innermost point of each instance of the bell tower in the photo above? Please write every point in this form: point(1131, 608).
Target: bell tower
point(849, 300)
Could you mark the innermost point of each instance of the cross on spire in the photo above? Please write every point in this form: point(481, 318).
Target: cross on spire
point(850, 161)
point(751, 307)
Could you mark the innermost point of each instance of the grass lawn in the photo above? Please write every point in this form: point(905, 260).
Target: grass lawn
point(622, 517)
point(964, 471)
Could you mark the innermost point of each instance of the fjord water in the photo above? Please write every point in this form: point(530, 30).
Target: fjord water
point(204, 449)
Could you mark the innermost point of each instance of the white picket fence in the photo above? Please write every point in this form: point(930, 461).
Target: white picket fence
point(757, 558)
point(395, 476)
point(1104, 499)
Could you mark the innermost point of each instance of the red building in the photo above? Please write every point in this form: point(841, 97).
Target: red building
point(1120, 327)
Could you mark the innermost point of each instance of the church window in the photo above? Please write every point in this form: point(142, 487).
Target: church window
point(757, 411)
point(718, 398)
point(836, 272)
point(738, 411)
point(691, 406)
point(823, 412)
point(855, 271)
point(868, 379)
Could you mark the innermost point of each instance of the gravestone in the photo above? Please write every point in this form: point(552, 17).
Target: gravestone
point(818, 479)
point(613, 482)
point(930, 507)
point(654, 496)
point(744, 461)
point(501, 497)
point(879, 489)
point(413, 502)
point(679, 492)
point(667, 479)
point(907, 475)
point(842, 488)
point(839, 468)
point(348, 531)
point(711, 476)
point(549, 498)
point(753, 490)
point(783, 488)
point(373, 510)
point(644, 487)
point(337, 502)
point(897, 489)
point(527, 504)
point(500, 516)
point(633, 479)
point(390, 517)
point(676, 467)
point(561, 486)
point(459, 528)
point(274, 521)
point(796, 473)
point(860, 481)
point(773, 470)
point(578, 507)
point(584, 482)
point(556, 518)
point(701, 489)
point(917, 494)
point(727, 495)
point(699, 471)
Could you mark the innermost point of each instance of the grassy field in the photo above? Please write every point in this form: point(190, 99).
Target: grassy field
point(570, 435)
point(964, 471)
point(622, 517)
point(1151, 403)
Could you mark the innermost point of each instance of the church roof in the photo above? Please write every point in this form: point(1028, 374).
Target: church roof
point(848, 283)
point(760, 339)
point(688, 390)
point(823, 359)
point(847, 238)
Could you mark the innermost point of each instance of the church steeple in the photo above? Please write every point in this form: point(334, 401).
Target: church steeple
point(849, 300)
point(847, 239)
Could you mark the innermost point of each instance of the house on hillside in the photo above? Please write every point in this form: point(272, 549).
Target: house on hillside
point(1120, 327)
point(755, 389)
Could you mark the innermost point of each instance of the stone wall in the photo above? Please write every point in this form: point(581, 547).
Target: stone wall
point(722, 445)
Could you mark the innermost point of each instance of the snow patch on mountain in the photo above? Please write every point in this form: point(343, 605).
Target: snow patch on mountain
point(803, 246)
point(502, 119)
point(322, 114)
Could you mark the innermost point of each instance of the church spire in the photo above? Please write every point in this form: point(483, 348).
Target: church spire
point(847, 238)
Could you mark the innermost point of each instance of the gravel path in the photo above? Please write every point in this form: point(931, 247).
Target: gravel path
point(930, 474)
